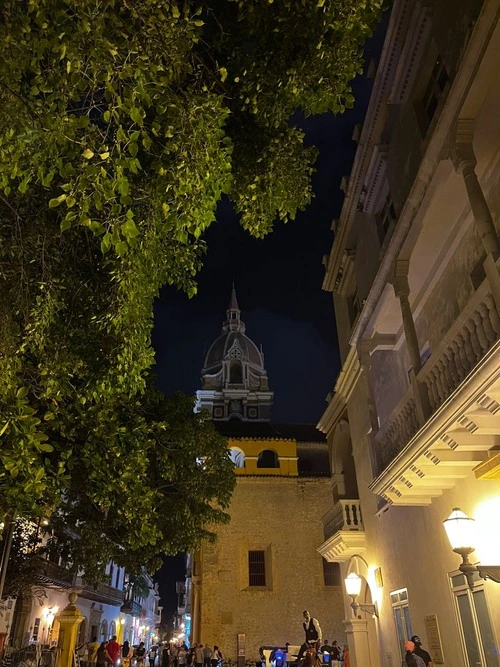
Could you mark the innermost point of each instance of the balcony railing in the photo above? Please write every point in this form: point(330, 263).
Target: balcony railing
point(131, 607)
point(397, 430)
point(344, 515)
point(465, 344)
point(467, 341)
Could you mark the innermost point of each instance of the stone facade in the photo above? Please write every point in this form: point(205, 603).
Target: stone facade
point(282, 517)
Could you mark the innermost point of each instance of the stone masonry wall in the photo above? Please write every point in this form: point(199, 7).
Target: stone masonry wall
point(281, 516)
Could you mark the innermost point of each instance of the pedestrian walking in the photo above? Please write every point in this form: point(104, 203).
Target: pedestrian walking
point(92, 647)
point(207, 655)
point(103, 659)
point(126, 654)
point(216, 657)
point(114, 650)
point(422, 653)
point(199, 655)
point(410, 659)
point(152, 656)
point(140, 654)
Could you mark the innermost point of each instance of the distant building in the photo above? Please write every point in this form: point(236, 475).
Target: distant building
point(250, 587)
point(414, 421)
point(111, 608)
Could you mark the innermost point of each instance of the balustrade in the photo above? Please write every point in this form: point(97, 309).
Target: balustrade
point(465, 344)
point(467, 341)
point(344, 515)
point(397, 430)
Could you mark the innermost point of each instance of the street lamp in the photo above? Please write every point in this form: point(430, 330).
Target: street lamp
point(353, 589)
point(461, 532)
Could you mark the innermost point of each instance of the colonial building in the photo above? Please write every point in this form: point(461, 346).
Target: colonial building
point(114, 607)
point(250, 587)
point(414, 272)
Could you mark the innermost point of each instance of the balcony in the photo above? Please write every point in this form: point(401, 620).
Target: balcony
point(343, 531)
point(131, 607)
point(418, 458)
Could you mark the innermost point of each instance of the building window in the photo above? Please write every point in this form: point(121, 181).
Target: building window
point(387, 218)
point(435, 88)
point(235, 372)
point(477, 635)
point(256, 568)
point(331, 573)
point(117, 579)
point(402, 619)
point(268, 459)
point(36, 629)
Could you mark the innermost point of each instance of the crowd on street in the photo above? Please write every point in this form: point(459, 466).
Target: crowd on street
point(112, 654)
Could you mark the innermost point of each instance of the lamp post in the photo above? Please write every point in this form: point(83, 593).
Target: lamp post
point(461, 532)
point(353, 589)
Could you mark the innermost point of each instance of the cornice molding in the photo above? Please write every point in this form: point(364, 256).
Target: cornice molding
point(344, 386)
point(389, 59)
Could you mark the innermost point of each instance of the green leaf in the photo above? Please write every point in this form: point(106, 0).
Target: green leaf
point(87, 154)
point(56, 201)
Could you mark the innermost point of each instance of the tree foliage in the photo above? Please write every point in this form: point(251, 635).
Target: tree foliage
point(122, 125)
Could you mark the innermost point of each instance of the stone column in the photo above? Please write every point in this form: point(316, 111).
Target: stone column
point(357, 640)
point(69, 619)
point(195, 611)
point(364, 355)
point(464, 161)
point(402, 291)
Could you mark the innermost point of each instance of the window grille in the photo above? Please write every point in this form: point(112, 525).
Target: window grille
point(331, 573)
point(256, 568)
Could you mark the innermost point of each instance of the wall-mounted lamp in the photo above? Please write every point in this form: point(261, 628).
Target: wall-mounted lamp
point(353, 589)
point(461, 531)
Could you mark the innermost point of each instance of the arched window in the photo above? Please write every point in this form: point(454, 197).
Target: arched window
point(104, 630)
point(237, 457)
point(112, 631)
point(268, 459)
point(235, 372)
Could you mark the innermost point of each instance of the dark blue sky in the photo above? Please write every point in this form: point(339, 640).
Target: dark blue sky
point(278, 283)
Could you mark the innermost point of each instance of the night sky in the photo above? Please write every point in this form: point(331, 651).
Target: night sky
point(278, 285)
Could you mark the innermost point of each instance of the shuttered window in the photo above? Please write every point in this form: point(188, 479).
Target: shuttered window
point(256, 568)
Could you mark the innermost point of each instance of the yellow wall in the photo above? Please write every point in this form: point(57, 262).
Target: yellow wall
point(251, 448)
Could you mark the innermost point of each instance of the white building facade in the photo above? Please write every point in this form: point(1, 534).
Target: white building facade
point(414, 422)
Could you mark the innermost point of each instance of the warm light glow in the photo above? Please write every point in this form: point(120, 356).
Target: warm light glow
point(461, 531)
point(353, 584)
point(487, 540)
point(122, 621)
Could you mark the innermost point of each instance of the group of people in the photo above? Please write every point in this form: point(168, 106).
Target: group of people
point(111, 654)
point(415, 655)
point(173, 655)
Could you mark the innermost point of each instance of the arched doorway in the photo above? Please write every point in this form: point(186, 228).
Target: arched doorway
point(362, 629)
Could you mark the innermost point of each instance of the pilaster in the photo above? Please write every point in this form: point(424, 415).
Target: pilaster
point(356, 631)
point(69, 620)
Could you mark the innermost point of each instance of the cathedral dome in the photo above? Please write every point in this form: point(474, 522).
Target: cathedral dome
point(232, 345)
point(234, 382)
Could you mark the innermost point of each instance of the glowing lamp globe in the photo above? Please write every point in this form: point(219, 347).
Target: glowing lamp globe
point(461, 531)
point(353, 584)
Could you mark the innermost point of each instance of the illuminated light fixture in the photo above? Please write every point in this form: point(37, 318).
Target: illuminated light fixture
point(353, 589)
point(461, 532)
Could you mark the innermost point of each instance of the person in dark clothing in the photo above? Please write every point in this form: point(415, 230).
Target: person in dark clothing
point(313, 634)
point(103, 657)
point(410, 659)
point(421, 652)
